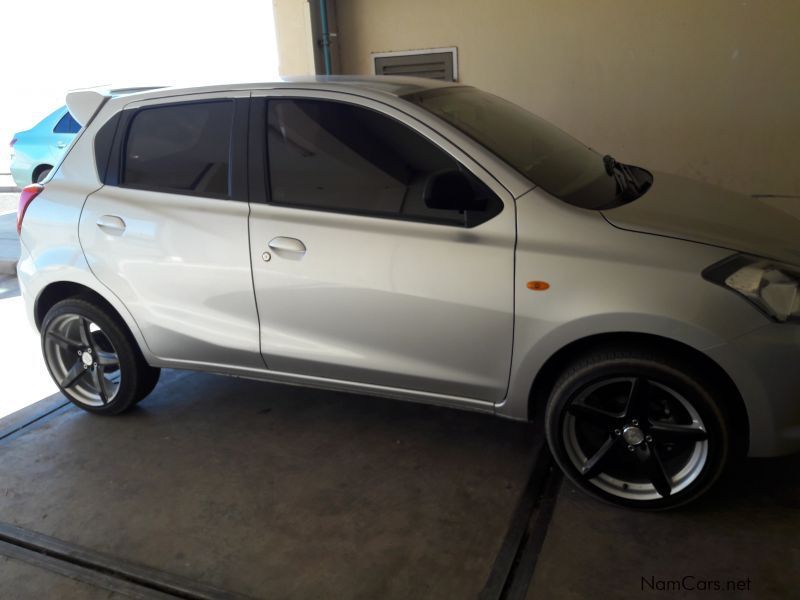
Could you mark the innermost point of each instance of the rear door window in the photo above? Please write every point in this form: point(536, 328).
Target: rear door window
point(183, 148)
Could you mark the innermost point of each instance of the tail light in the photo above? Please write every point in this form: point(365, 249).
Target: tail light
point(29, 192)
point(13, 141)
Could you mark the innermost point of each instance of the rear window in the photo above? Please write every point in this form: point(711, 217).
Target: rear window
point(67, 124)
point(182, 148)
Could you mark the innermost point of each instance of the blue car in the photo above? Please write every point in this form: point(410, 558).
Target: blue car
point(35, 151)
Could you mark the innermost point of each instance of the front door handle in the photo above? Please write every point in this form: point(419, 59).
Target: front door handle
point(287, 247)
point(61, 144)
point(111, 224)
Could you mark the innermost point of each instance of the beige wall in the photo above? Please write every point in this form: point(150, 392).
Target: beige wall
point(293, 33)
point(704, 88)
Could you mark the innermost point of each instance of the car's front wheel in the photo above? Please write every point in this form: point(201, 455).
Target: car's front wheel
point(93, 358)
point(638, 429)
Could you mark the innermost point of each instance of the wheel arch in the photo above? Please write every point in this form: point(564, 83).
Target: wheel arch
point(38, 170)
point(548, 374)
point(56, 291)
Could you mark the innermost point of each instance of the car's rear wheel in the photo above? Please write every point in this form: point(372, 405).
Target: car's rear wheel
point(93, 358)
point(41, 173)
point(638, 430)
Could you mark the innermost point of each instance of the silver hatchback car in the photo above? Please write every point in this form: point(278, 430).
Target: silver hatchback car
point(422, 241)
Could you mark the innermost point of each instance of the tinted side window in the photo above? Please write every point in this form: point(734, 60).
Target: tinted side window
point(180, 148)
point(336, 156)
point(67, 124)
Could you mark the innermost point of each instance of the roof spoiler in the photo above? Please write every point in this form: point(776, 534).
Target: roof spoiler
point(84, 104)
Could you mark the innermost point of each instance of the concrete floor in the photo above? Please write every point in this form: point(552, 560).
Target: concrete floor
point(8, 200)
point(23, 375)
point(274, 491)
point(746, 531)
point(22, 581)
point(9, 242)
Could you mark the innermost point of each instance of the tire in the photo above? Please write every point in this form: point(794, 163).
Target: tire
point(93, 358)
point(151, 377)
point(639, 430)
point(42, 174)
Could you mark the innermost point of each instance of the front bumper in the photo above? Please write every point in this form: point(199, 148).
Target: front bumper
point(765, 366)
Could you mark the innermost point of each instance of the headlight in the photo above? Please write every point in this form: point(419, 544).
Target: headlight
point(773, 287)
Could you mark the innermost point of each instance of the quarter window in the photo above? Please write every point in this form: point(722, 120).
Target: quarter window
point(180, 148)
point(67, 124)
point(340, 157)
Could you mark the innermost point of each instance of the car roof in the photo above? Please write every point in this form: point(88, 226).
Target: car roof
point(85, 103)
point(134, 90)
point(385, 84)
point(389, 84)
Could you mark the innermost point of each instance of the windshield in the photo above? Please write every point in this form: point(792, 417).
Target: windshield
point(539, 150)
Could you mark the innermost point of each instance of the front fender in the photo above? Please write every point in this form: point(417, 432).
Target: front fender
point(529, 359)
point(603, 280)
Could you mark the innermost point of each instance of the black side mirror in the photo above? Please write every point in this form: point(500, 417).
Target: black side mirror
point(452, 190)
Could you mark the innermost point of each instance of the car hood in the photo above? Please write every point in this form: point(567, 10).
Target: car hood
point(699, 212)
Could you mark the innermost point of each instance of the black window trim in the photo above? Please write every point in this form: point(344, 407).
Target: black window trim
point(238, 157)
point(260, 185)
point(104, 149)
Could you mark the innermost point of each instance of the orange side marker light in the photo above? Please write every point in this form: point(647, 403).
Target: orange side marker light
point(538, 286)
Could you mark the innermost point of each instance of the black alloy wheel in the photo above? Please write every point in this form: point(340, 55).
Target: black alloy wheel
point(637, 430)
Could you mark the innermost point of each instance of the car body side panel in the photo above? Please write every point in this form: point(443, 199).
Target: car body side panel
point(50, 249)
point(36, 271)
point(182, 268)
point(405, 304)
point(763, 364)
point(604, 280)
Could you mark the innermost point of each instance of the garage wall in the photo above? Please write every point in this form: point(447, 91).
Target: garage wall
point(294, 37)
point(708, 89)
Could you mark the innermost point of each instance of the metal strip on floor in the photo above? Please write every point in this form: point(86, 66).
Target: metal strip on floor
point(84, 575)
point(517, 588)
point(40, 415)
point(102, 570)
point(515, 563)
point(44, 410)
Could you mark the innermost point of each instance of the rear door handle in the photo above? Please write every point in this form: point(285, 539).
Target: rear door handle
point(61, 144)
point(287, 246)
point(111, 224)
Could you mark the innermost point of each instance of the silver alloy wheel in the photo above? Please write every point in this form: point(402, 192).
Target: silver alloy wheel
point(647, 425)
point(82, 359)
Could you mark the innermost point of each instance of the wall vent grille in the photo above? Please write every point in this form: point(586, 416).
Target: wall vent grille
point(433, 63)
